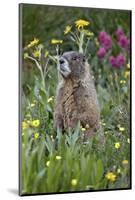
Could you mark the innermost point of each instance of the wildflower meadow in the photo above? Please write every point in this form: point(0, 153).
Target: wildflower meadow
point(55, 162)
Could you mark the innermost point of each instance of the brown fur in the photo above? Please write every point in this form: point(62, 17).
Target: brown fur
point(76, 98)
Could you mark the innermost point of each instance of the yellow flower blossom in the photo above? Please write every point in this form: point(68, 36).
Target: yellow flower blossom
point(81, 23)
point(125, 162)
point(36, 54)
point(117, 145)
point(32, 104)
point(35, 123)
point(122, 81)
point(89, 33)
point(36, 135)
point(74, 182)
point(58, 157)
point(103, 124)
point(121, 129)
point(46, 53)
point(111, 176)
point(33, 43)
point(128, 141)
point(50, 99)
point(118, 170)
point(128, 66)
point(83, 129)
point(25, 55)
point(67, 29)
point(48, 163)
point(24, 125)
point(127, 74)
point(54, 41)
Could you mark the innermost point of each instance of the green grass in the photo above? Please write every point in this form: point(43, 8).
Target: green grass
point(57, 162)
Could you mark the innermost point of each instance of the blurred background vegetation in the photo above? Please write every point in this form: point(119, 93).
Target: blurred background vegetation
point(47, 22)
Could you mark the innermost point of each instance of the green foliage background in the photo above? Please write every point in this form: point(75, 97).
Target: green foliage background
point(47, 22)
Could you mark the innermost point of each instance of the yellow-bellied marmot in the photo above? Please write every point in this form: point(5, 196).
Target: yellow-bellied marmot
point(76, 96)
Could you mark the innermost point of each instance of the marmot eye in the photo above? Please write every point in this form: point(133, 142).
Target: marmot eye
point(74, 58)
point(84, 59)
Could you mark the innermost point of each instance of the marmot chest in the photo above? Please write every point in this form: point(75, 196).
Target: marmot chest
point(73, 95)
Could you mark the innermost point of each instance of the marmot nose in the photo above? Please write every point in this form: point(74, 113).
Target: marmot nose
point(61, 61)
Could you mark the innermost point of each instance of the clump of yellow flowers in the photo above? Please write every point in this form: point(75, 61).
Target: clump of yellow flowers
point(36, 135)
point(125, 162)
point(24, 125)
point(35, 123)
point(33, 43)
point(117, 145)
point(58, 157)
point(50, 99)
point(37, 54)
point(74, 182)
point(55, 41)
point(67, 29)
point(81, 23)
point(110, 176)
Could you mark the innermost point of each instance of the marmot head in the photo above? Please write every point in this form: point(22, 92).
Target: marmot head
point(72, 64)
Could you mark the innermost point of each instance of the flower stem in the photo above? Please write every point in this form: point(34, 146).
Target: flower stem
point(40, 69)
point(81, 42)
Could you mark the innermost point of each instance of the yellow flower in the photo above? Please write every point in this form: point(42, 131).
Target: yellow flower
point(83, 129)
point(121, 129)
point(50, 99)
point(117, 145)
point(110, 176)
point(128, 140)
point(32, 104)
point(81, 23)
point(46, 53)
point(125, 162)
point(128, 66)
point(24, 125)
point(89, 33)
point(103, 124)
point(54, 41)
point(36, 54)
point(25, 55)
point(36, 135)
point(35, 123)
point(58, 157)
point(67, 29)
point(127, 74)
point(118, 170)
point(33, 43)
point(74, 182)
point(122, 81)
point(48, 163)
